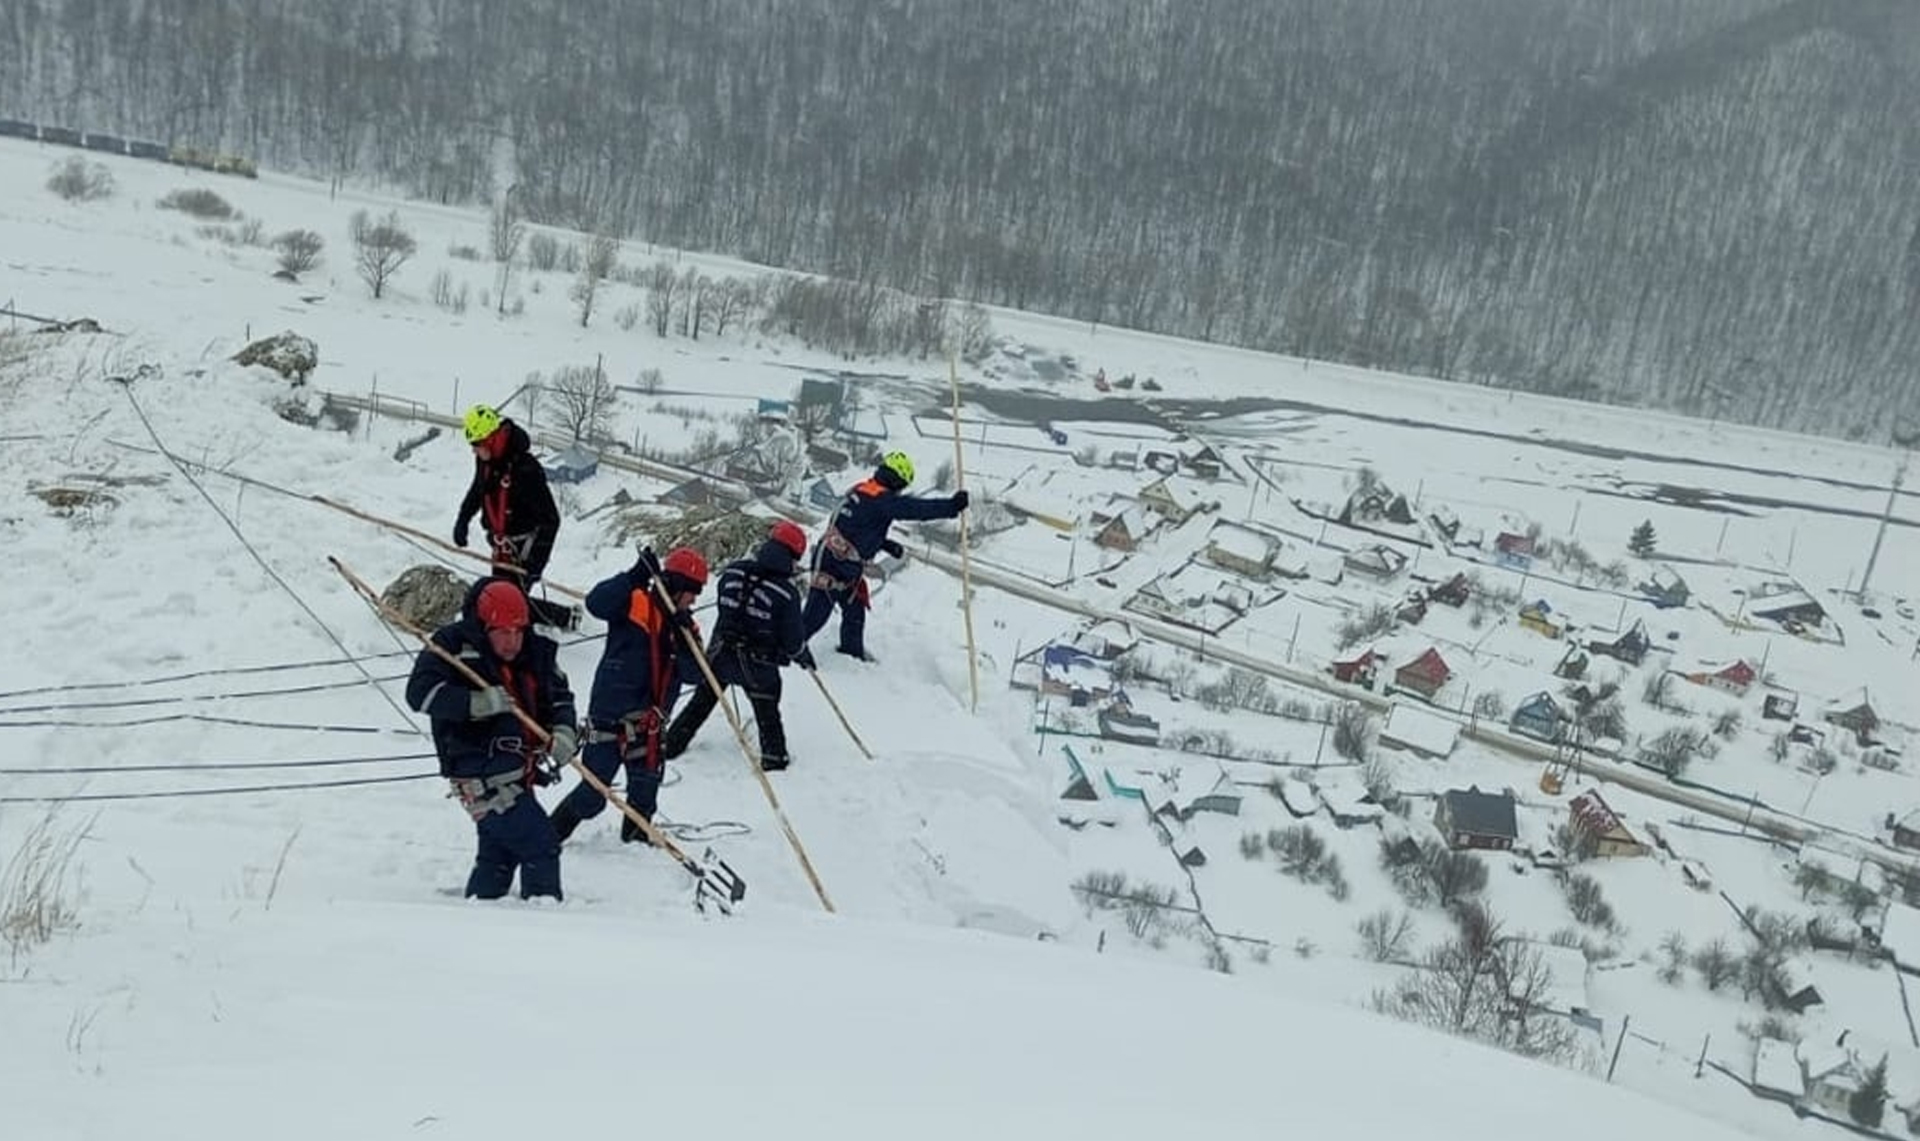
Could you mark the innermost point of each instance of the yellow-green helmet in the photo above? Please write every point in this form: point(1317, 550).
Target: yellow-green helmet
point(482, 421)
point(898, 464)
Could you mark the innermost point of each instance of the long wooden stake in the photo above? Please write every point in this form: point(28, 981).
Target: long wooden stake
point(753, 757)
point(416, 533)
point(660, 839)
point(966, 562)
point(844, 723)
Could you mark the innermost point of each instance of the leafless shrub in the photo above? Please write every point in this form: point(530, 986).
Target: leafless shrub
point(299, 250)
point(198, 202)
point(1363, 626)
point(460, 252)
point(1717, 965)
point(543, 252)
point(1588, 903)
point(78, 180)
point(1673, 958)
point(1353, 732)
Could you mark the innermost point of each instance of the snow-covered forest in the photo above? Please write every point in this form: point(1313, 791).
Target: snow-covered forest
point(1707, 206)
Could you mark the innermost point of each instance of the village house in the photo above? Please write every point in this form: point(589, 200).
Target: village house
point(1664, 588)
point(1424, 675)
point(1376, 504)
point(1905, 831)
point(1538, 616)
point(1350, 805)
point(1119, 722)
point(1064, 670)
point(1105, 638)
point(1358, 670)
point(1832, 1075)
point(1203, 462)
point(1789, 606)
point(1515, 551)
point(1170, 500)
point(1735, 678)
point(1793, 988)
point(1539, 717)
point(1572, 664)
point(1122, 532)
point(1376, 562)
point(1411, 611)
point(1854, 712)
point(1444, 523)
point(576, 463)
point(1469, 818)
point(1780, 705)
point(1453, 592)
point(1630, 647)
point(1166, 463)
point(1196, 788)
point(1594, 822)
point(1241, 550)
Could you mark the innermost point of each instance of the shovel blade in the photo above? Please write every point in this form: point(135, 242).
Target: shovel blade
point(717, 884)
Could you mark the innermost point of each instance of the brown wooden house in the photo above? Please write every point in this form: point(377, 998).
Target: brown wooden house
point(1423, 675)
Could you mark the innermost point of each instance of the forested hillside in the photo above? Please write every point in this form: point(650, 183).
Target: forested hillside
point(1710, 205)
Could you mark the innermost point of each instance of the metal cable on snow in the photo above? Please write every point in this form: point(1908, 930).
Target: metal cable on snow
point(204, 718)
point(217, 766)
point(96, 796)
point(192, 675)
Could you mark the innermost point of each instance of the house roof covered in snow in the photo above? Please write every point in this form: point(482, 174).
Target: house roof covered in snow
point(1241, 542)
point(1421, 729)
point(1775, 1067)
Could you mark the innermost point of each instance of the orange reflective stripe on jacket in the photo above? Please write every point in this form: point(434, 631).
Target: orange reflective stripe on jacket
point(871, 488)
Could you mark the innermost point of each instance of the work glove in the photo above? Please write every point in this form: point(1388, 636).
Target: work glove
point(804, 659)
point(893, 548)
point(459, 534)
point(646, 568)
point(489, 702)
point(565, 744)
point(960, 500)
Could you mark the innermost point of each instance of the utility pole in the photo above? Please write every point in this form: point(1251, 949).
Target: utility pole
point(1893, 493)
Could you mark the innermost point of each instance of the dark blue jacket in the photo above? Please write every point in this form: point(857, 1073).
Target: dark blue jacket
point(759, 606)
point(498, 744)
point(645, 659)
point(859, 528)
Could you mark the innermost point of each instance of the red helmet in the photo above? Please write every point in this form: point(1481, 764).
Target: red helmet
point(501, 605)
point(688, 564)
point(789, 535)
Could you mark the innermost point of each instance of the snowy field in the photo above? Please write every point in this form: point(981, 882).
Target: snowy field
point(211, 719)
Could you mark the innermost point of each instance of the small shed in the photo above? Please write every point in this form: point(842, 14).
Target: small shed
point(1630, 647)
point(1539, 617)
point(1854, 712)
point(1358, 670)
point(1592, 819)
point(1453, 592)
point(1513, 550)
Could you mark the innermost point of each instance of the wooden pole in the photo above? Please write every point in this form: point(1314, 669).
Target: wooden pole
point(966, 562)
point(753, 758)
point(1617, 1043)
point(844, 723)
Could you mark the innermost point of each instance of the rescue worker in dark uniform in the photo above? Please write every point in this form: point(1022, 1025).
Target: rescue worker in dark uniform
point(509, 493)
point(489, 756)
point(756, 631)
point(857, 533)
point(639, 676)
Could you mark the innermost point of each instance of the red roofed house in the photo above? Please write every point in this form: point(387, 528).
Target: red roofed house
point(1423, 675)
point(1595, 823)
point(1734, 679)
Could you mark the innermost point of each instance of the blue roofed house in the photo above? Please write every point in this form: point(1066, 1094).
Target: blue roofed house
point(1539, 717)
point(822, 493)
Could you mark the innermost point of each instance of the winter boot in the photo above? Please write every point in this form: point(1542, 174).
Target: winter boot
point(774, 762)
point(630, 832)
point(564, 820)
point(858, 655)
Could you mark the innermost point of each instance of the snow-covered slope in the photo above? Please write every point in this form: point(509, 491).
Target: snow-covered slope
point(261, 859)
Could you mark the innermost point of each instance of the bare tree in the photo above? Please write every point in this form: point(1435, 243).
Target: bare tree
point(603, 253)
point(1353, 731)
point(729, 301)
point(1717, 965)
point(1484, 985)
point(1384, 934)
point(584, 398)
point(299, 250)
point(663, 289)
point(695, 309)
point(506, 232)
point(380, 248)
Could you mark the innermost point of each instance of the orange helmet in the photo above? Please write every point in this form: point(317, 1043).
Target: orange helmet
point(790, 536)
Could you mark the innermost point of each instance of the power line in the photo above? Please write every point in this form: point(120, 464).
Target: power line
point(215, 766)
point(98, 796)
